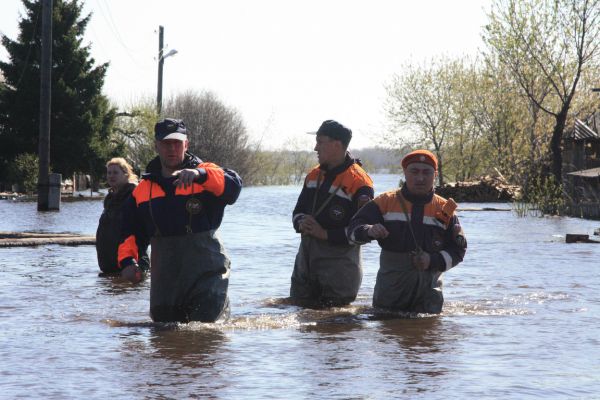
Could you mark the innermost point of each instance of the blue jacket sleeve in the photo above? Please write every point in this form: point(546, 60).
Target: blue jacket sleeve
point(368, 215)
point(454, 249)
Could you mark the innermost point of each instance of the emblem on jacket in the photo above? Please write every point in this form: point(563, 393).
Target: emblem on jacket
point(337, 212)
point(193, 206)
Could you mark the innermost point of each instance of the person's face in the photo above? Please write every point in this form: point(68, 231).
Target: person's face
point(171, 152)
point(115, 177)
point(419, 178)
point(328, 150)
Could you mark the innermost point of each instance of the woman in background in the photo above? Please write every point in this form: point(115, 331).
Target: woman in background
point(121, 181)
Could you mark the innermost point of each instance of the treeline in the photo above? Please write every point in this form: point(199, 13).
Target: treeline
point(87, 130)
point(289, 167)
point(507, 109)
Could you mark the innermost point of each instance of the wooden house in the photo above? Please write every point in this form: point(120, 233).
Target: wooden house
point(581, 168)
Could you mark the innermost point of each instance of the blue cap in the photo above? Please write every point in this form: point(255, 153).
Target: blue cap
point(170, 128)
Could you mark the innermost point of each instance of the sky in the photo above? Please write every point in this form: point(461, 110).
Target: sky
point(284, 65)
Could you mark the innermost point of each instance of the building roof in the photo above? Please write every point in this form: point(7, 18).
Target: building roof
point(587, 173)
point(582, 132)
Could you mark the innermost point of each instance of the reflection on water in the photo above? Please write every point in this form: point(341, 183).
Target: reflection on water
point(190, 345)
point(520, 318)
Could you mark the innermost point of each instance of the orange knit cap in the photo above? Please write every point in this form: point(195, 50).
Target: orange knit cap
point(423, 156)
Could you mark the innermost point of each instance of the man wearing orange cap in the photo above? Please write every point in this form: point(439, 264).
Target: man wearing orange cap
point(420, 238)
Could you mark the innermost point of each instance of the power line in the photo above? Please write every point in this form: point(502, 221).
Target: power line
point(115, 30)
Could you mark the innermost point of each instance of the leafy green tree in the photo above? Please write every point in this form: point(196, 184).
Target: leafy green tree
point(419, 100)
point(81, 117)
point(429, 107)
point(21, 173)
point(133, 133)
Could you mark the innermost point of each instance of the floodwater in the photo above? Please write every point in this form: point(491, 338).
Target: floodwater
point(521, 318)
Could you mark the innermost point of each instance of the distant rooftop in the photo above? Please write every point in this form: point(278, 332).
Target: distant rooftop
point(587, 173)
point(581, 131)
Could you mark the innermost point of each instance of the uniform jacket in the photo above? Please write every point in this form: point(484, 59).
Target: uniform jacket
point(432, 223)
point(339, 189)
point(158, 208)
point(109, 230)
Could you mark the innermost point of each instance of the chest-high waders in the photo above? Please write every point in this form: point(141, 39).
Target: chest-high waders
point(190, 276)
point(401, 286)
point(325, 274)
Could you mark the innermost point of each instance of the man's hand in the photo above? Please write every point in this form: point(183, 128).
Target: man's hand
point(185, 177)
point(133, 273)
point(377, 231)
point(459, 236)
point(309, 225)
point(421, 260)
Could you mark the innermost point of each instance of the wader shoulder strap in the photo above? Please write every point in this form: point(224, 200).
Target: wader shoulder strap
point(313, 213)
point(192, 206)
point(318, 186)
point(327, 201)
point(156, 230)
point(408, 221)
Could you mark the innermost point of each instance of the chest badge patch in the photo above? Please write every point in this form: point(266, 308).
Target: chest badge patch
point(337, 212)
point(193, 206)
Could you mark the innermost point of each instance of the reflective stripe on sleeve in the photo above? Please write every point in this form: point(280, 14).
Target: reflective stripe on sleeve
point(433, 221)
point(311, 184)
point(447, 259)
point(340, 193)
point(394, 216)
point(297, 216)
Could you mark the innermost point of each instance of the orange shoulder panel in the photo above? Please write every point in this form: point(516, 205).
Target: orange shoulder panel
point(142, 191)
point(444, 209)
point(360, 177)
point(215, 180)
point(313, 174)
point(389, 202)
point(353, 179)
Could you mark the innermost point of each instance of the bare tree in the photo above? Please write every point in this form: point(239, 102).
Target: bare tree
point(217, 132)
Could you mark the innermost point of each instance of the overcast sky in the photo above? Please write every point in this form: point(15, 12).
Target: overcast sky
point(284, 65)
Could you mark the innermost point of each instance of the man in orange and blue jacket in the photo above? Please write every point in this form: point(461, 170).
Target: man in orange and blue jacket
point(420, 238)
point(327, 270)
point(178, 205)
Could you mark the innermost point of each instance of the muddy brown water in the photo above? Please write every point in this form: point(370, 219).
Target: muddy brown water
point(521, 319)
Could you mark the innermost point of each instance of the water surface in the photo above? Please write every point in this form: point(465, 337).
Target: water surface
point(521, 318)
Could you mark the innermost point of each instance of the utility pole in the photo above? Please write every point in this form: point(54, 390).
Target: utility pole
point(45, 97)
point(161, 61)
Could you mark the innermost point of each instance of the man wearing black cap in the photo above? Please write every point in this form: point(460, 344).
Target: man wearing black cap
point(327, 271)
point(179, 205)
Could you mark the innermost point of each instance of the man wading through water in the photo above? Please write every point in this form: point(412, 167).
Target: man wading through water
point(419, 235)
point(179, 204)
point(327, 271)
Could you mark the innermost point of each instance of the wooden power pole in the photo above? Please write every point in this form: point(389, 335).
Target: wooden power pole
point(161, 61)
point(48, 184)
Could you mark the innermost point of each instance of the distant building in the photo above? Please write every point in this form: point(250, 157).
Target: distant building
point(581, 168)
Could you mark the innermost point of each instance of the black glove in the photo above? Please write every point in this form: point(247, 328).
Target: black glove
point(133, 273)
